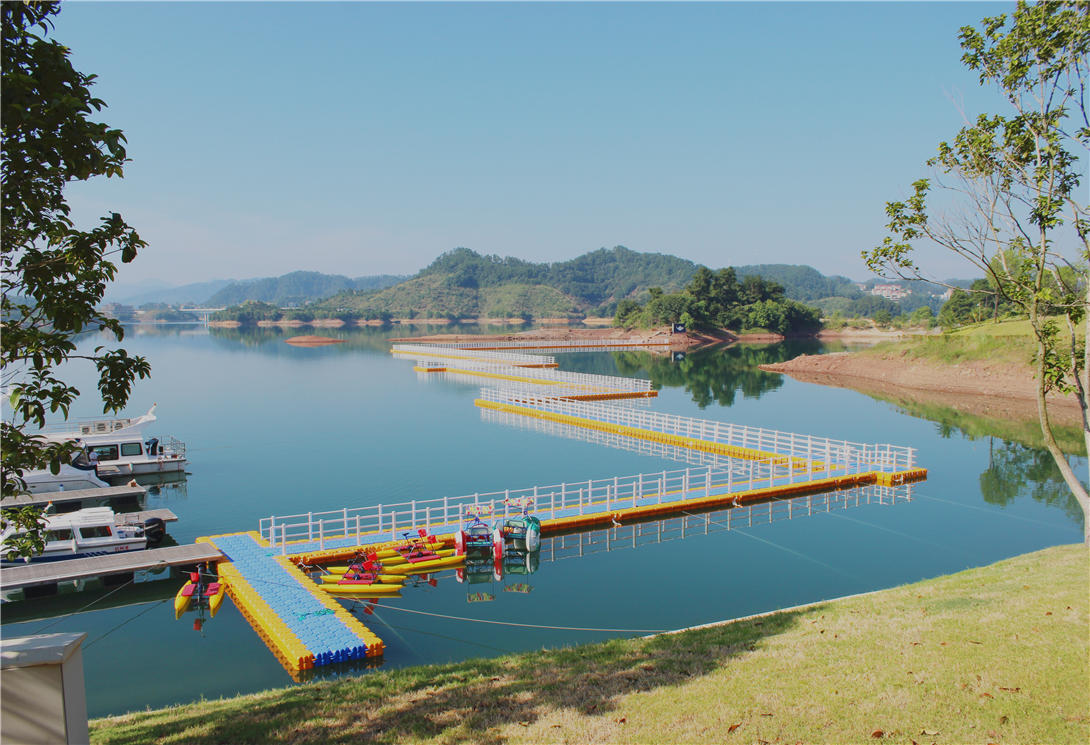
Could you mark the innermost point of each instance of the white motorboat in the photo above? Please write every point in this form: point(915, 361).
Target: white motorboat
point(69, 478)
point(93, 531)
point(117, 449)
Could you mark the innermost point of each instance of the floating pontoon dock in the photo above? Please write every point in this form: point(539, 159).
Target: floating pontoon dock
point(51, 572)
point(749, 466)
point(41, 499)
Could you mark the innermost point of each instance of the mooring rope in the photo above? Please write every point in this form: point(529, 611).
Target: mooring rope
point(58, 619)
point(484, 621)
point(127, 620)
point(801, 555)
point(1002, 513)
point(512, 623)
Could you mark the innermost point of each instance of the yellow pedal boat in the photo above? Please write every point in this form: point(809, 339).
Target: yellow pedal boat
point(366, 591)
point(424, 567)
point(390, 579)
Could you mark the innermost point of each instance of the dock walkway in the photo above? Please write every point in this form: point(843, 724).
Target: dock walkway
point(302, 626)
point(47, 573)
point(76, 495)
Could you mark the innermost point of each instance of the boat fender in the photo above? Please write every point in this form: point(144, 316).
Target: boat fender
point(460, 542)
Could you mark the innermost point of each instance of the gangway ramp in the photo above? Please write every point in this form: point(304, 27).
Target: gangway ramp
point(126, 562)
point(42, 499)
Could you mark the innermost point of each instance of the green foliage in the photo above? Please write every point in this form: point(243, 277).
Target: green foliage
point(54, 274)
point(803, 283)
point(249, 313)
point(464, 284)
point(1019, 176)
point(718, 300)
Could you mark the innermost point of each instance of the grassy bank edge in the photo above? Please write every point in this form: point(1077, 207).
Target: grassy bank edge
point(996, 653)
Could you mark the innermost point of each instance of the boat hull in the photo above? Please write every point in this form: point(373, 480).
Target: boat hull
point(424, 567)
point(365, 591)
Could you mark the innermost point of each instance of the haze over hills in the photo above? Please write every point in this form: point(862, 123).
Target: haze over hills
point(465, 284)
point(297, 288)
point(462, 283)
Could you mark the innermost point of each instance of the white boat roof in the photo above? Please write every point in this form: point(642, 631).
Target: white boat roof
point(86, 516)
point(95, 430)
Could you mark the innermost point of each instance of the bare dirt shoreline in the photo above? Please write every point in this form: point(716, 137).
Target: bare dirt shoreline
point(983, 388)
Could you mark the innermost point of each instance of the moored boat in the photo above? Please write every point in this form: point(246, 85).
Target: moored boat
point(93, 531)
point(116, 450)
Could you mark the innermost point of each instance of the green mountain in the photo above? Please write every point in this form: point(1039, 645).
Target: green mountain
point(463, 283)
point(801, 282)
point(296, 288)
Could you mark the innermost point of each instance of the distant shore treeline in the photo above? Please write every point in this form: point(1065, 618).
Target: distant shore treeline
point(462, 284)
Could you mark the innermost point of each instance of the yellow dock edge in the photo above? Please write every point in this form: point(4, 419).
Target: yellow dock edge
point(644, 512)
point(284, 644)
point(689, 443)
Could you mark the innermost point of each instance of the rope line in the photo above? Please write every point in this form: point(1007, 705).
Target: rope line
point(1003, 513)
point(512, 623)
point(775, 545)
point(127, 620)
point(58, 619)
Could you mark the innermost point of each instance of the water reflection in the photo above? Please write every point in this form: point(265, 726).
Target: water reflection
point(369, 338)
point(1015, 470)
point(717, 374)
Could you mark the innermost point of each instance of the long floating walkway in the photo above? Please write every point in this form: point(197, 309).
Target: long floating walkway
point(307, 628)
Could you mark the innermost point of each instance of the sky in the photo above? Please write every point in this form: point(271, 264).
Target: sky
point(368, 138)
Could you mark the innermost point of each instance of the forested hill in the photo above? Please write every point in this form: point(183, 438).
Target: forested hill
point(801, 282)
point(296, 288)
point(463, 283)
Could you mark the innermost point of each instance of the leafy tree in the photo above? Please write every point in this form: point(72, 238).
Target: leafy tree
point(54, 274)
point(922, 316)
point(1023, 220)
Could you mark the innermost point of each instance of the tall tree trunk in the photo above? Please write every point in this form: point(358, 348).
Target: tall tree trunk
point(1068, 473)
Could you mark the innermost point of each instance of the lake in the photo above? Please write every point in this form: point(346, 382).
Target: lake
point(276, 429)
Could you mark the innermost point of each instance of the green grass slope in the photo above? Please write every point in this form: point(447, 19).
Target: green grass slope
point(994, 654)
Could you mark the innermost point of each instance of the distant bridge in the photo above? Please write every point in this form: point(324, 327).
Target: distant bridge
point(204, 313)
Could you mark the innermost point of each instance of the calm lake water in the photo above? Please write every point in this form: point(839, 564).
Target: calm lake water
point(275, 429)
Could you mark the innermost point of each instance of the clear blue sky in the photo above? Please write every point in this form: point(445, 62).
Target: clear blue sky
point(359, 138)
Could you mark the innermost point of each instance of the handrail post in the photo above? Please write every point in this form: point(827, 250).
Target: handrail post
point(284, 539)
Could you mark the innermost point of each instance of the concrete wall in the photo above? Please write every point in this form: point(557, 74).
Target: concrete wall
point(42, 697)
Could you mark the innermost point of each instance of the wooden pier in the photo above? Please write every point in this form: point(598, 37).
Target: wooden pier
point(51, 572)
point(77, 495)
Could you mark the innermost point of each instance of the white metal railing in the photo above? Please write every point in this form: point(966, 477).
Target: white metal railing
point(589, 382)
point(376, 522)
point(806, 447)
point(634, 535)
point(511, 358)
point(85, 427)
point(611, 439)
point(553, 344)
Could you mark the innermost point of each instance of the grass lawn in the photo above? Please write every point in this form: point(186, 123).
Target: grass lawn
point(995, 654)
point(1006, 341)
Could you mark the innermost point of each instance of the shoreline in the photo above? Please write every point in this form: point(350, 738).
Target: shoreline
point(981, 387)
